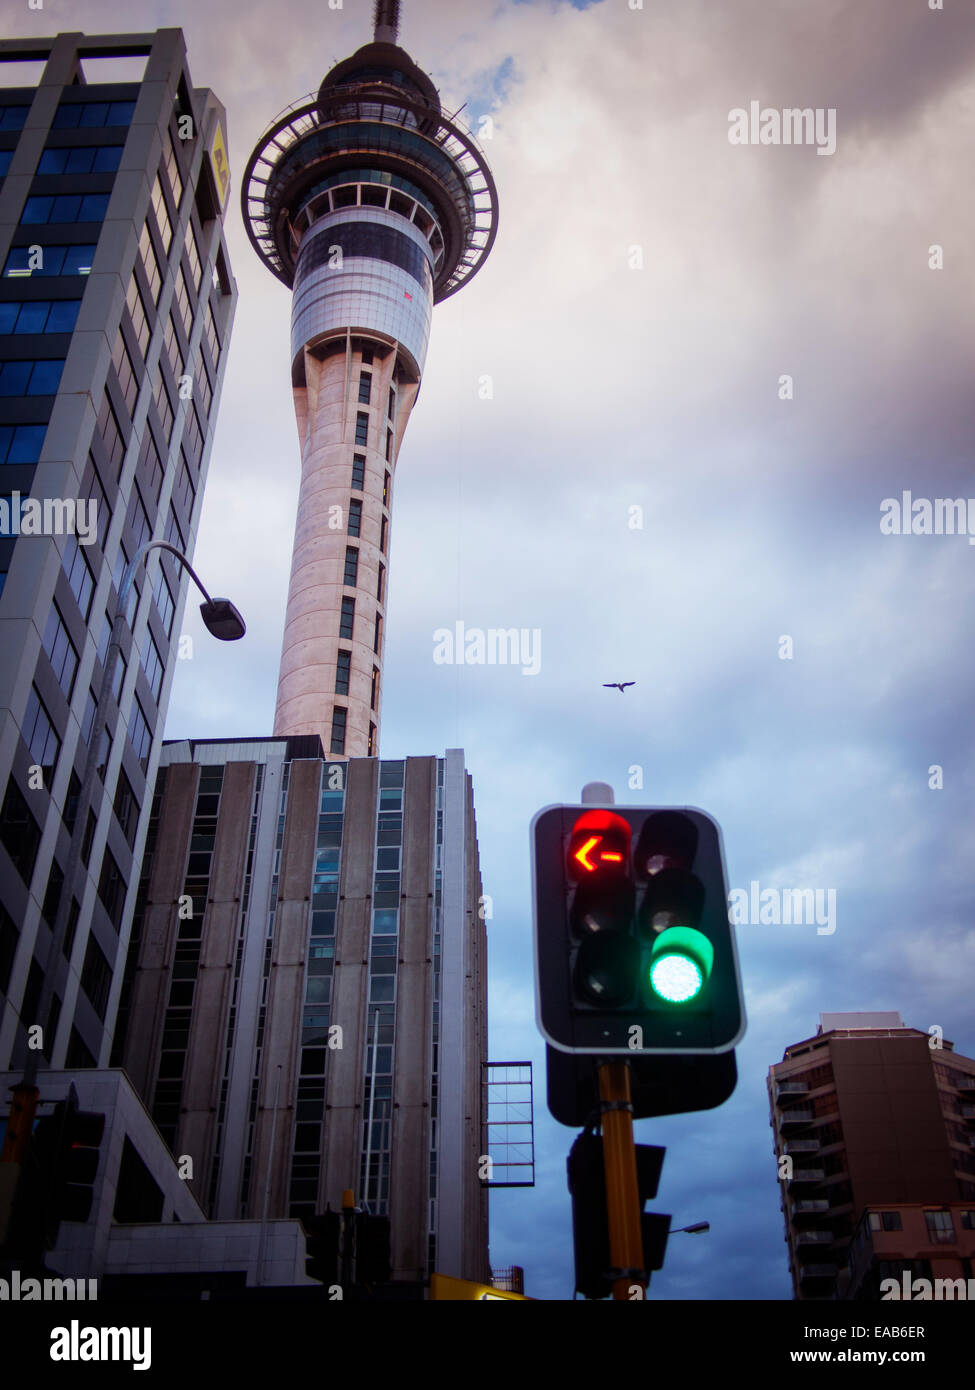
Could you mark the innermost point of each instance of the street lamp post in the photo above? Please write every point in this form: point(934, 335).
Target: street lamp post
point(225, 623)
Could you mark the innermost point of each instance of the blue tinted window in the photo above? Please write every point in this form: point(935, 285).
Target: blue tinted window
point(107, 159)
point(79, 161)
point(14, 377)
point(66, 116)
point(120, 113)
point(6, 437)
point(26, 445)
point(5, 158)
point(93, 208)
point(13, 117)
point(8, 317)
point(45, 378)
point(77, 260)
point(63, 316)
point(36, 210)
point(93, 113)
point(32, 317)
point(65, 208)
point(52, 161)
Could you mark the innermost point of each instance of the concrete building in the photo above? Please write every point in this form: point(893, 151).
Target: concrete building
point(371, 205)
point(872, 1121)
point(116, 305)
point(146, 1235)
point(306, 1009)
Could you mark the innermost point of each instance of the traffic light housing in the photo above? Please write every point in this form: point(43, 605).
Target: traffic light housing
point(659, 1085)
point(590, 1221)
point(372, 1251)
point(635, 953)
point(67, 1145)
point(322, 1246)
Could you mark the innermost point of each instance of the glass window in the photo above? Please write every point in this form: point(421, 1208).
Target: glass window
point(63, 316)
point(77, 260)
point(150, 264)
point(365, 387)
point(379, 585)
point(39, 734)
point(347, 619)
point(163, 599)
point(5, 157)
point(139, 734)
point(343, 668)
point(152, 665)
point(358, 472)
point(355, 517)
point(137, 312)
point(13, 117)
point(122, 362)
point(351, 566)
point(31, 318)
point(362, 428)
point(45, 377)
point(172, 170)
point(61, 652)
point(337, 744)
point(162, 215)
point(385, 921)
point(383, 528)
point(76, 567)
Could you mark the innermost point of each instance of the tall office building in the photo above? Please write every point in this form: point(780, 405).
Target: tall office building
point(116, 305)
point(876, 1121)
point(307, 1008)
point(371, 205)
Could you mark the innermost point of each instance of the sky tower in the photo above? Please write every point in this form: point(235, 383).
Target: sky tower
point(371, 206)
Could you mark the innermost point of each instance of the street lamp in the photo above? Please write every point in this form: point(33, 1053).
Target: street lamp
point(698, 1228)
point(225, 623)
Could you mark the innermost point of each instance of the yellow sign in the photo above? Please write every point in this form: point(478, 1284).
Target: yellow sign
point(219, 164)
point(443, 1286)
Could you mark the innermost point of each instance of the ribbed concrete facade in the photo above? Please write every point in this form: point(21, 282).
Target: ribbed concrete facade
point(327, 408)
point(371, 206)
point(310, 955)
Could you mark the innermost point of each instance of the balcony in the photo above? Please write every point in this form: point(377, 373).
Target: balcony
point(803, 1116)
point(810, 1206)
point(815, 1175)
point(814, 1237)
point(967, 1111)
point(790, 1088)
point(801, 1146)
point(811, 1273)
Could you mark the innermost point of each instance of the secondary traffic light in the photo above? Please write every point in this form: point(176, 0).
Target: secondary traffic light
point(634, 948)
point(590, 1222)
point(322, 1246)
point(65, 1152)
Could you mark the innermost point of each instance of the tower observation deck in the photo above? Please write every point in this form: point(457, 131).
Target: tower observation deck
point(371, 206)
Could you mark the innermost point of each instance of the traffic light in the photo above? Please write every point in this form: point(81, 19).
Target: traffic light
point(66, 1144)
point(372, 1257)
point(590, 1223)
point(661, 1084)
point(634, 949)
point(322, 1246)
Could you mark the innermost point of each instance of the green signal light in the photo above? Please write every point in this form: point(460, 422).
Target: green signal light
point(680, 964)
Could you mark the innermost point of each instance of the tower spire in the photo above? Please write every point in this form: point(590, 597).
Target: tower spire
point(386, 21)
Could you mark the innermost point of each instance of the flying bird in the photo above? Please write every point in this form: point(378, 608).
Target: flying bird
point(617, 685)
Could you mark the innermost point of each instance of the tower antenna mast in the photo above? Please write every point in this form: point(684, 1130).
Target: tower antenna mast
point(386, 21)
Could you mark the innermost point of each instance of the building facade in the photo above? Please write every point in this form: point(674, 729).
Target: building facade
point(116, 305)
point(306, 1002)
point(371, 206)
point(870, 1119)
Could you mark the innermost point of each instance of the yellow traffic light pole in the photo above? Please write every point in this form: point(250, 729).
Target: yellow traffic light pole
point(622, 1189)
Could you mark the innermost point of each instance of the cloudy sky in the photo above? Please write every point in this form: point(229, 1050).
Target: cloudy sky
point(640, 488)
